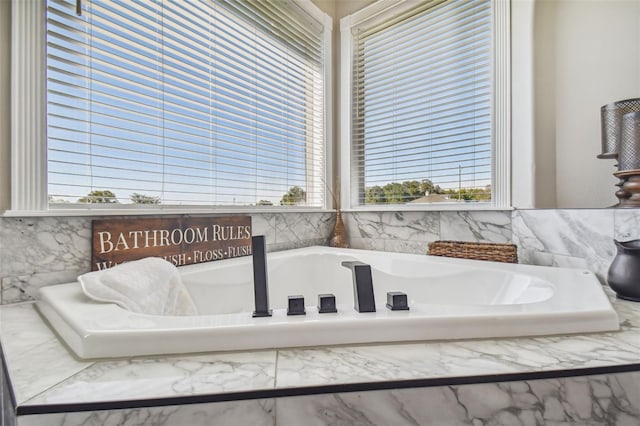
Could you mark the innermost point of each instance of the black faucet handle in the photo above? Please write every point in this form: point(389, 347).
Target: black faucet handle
point(260, 280)
point(363, 299)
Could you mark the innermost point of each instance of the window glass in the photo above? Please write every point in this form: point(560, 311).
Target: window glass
point(422, 96)
point(206, 102)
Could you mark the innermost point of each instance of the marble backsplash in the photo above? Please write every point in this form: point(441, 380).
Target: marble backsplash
point(592, 400)
point(40, 251)
point(563, 237)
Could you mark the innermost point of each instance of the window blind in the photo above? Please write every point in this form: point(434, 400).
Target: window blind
point(203, 102)
point(422, 105)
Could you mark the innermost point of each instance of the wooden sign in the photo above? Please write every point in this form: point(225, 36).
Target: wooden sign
point(179, 240)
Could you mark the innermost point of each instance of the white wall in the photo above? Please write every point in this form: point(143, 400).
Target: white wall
point(544, 85)
point(595, 49)
point(5, 103)
point(522, 116)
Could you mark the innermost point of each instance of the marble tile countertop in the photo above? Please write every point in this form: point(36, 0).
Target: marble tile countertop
point(46, 377)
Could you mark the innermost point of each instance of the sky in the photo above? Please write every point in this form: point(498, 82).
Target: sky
point(166, 111)
point(185, 102)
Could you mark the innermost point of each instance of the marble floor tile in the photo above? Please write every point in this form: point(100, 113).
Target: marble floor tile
point(30, 348)
point(253, 412)
point(590, 400)
point(144, 378)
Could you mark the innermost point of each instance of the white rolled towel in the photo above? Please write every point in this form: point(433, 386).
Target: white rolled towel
point(148, 286)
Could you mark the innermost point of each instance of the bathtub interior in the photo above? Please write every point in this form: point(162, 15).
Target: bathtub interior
point(228, 287)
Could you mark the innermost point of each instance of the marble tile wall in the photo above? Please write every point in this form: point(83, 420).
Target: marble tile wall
point(602, 400)
point(612, 399)
point(40, 251)
point(49, 250)
point(581, 238)
point(410, 232)
point(253, 412)
point(570, 238)
point(7, 417)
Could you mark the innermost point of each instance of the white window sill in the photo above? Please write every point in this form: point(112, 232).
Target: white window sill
point(428, 208)
point(89, 212)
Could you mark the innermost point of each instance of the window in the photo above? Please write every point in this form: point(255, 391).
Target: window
point(209, 102)
point(427, 104)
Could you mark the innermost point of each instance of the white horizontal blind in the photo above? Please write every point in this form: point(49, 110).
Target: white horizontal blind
point(422, 105)
point(202, 102)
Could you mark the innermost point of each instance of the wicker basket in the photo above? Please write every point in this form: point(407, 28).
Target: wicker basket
point(494, 252)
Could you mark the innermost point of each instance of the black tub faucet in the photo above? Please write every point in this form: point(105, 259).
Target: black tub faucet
point(363, 300)
point(260, 285)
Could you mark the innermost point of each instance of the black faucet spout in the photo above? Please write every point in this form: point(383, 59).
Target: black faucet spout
point(363, 299)
point(260, 284)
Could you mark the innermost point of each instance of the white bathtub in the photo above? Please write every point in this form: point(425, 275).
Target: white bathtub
point(448, 299)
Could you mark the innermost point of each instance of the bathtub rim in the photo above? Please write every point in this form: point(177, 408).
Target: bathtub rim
point(94, 343)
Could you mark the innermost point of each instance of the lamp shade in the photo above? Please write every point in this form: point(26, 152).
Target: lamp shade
point(611, 120)
point(629, 156)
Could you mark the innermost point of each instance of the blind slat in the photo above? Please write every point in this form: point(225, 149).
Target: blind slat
point(422, 102)
point(196, 102)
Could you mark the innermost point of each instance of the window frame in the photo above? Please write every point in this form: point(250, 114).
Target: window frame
point(381, 11)
point(29, 189)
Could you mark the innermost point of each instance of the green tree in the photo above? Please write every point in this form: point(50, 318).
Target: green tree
point(427, 187)
point(412, 190)
point(375, 195)
point(294, 196)
point(471, 194)
point(393, 193)
point(399, 193)
point(144, 199)
point(99, 197)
